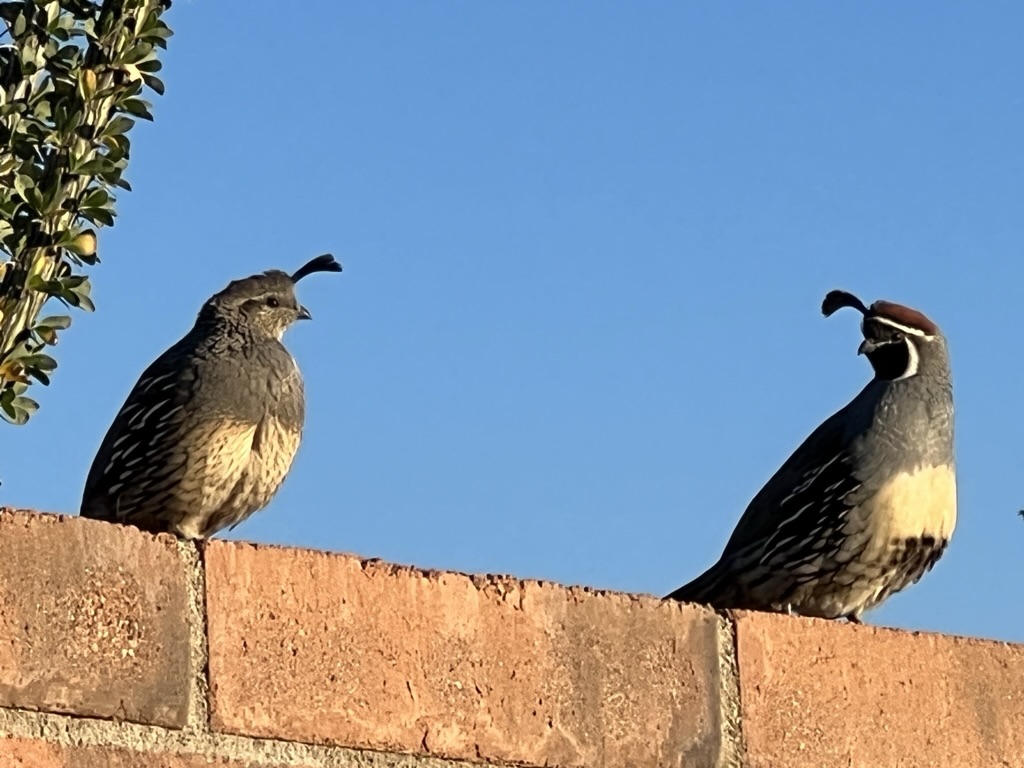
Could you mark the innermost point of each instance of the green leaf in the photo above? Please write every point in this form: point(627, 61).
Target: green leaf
point(35, 199)
point(38, 360)
point(137, 107)
point(155, 83)
point(18, 410)
point(95, 167)
point(10, 412)
point(118, 125)
point(47, 328)
point(59, 322)
point(96, 198)
point(137, 53)
point(52, 13)
point(87, 84)
point(22, 184)
point(81, 293)
point(84, 243)
point(99, 216)
point(39, 366)
point(26, 404)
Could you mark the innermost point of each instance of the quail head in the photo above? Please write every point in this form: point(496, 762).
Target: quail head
point(209, 431)
point(867, 504)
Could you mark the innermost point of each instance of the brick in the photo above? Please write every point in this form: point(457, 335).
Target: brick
point(92, 620)
point(29, 753)
point(322, 648)
point(818, 693)
point(24, 753)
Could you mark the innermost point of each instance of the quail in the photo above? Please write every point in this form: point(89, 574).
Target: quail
point(210, 429)
point(867, 504)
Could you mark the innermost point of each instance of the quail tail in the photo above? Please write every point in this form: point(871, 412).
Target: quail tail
point(715, 587)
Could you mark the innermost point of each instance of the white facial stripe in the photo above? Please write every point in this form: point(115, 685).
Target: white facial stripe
point(913, 360)
point(905, 328)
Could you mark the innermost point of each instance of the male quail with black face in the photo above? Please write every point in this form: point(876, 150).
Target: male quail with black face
point(209, 432)
point(867, 504)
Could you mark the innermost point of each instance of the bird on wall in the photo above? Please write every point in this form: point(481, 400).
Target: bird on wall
point(210, 429)
point(867, 504)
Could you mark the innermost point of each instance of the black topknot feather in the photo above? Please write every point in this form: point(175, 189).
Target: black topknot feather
point(836, 300)
point(323, 263)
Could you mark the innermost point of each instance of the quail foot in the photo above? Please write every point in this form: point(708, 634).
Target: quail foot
point(209, 431)
point(867, 504)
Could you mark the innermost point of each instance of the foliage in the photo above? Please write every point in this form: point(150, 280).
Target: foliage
point(71, 78)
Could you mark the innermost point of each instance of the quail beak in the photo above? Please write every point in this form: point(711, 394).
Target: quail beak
point(304, 313)
point(866, 347)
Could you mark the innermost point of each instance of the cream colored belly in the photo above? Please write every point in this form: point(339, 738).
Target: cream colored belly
point(240, 470)
point(217, 468)
point(912, 505)
point(270, 459)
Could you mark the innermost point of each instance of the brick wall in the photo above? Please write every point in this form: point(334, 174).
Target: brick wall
point(122, 649)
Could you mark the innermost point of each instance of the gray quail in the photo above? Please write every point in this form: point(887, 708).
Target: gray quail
point(867, 504)
point(209, 431)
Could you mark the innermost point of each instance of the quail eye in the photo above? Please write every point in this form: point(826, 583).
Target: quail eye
point(273, 301)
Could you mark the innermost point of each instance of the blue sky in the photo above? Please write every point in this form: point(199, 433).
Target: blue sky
point(584, 252)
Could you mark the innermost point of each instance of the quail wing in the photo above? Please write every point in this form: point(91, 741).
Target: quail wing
point(792, 522)
point(143, 454)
